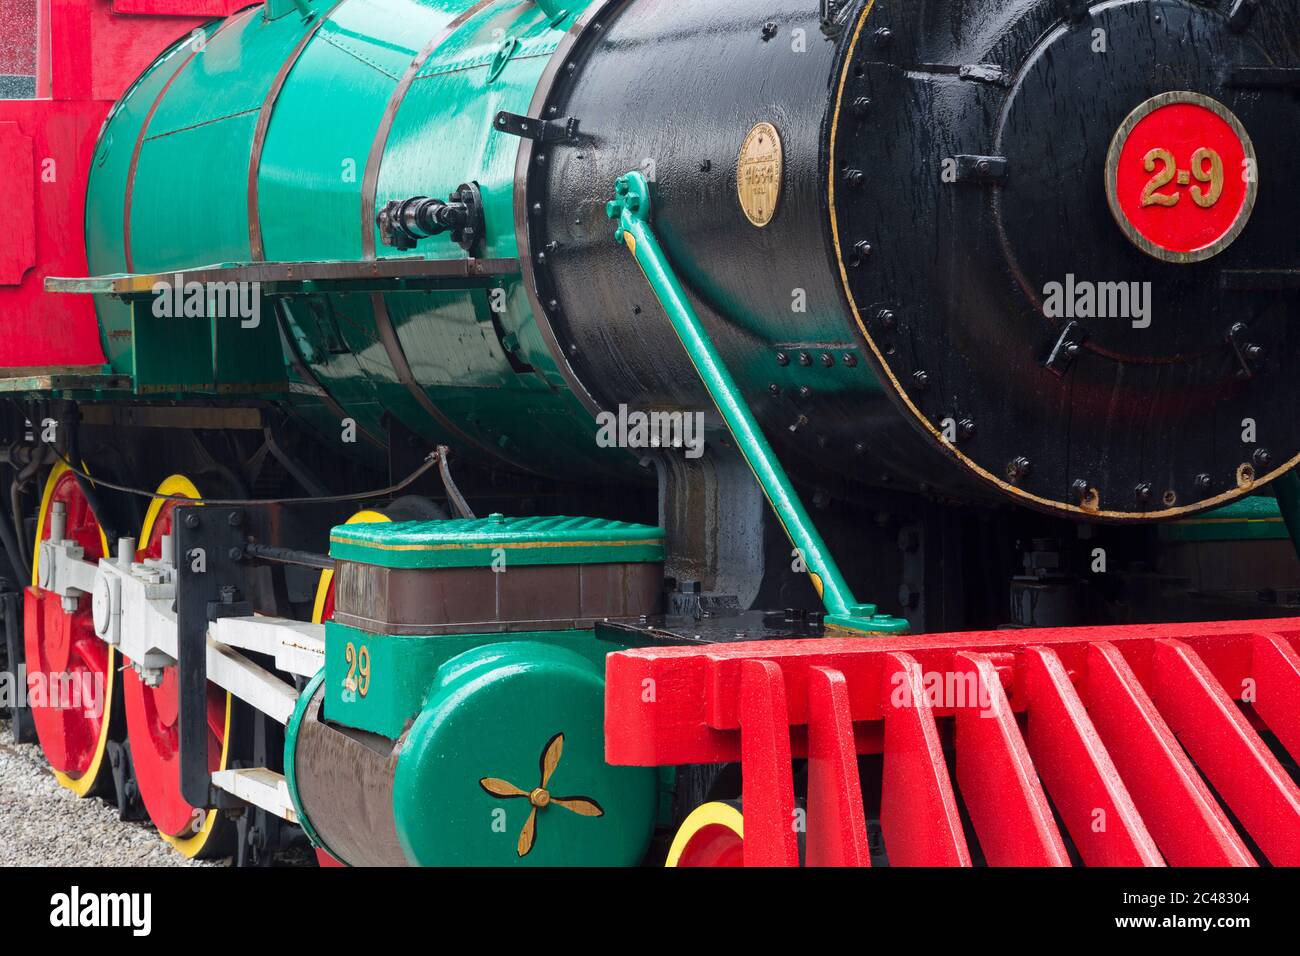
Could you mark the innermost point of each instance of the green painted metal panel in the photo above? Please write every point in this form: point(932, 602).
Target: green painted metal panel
point(105, 202)
point(489, 384)
point(478, 542)
point(394, 671)
point(1250, 519)
point(325, 120)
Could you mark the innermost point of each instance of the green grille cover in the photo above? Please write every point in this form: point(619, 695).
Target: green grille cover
point(478, 542)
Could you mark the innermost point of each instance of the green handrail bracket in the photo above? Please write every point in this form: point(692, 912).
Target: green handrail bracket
point(631, 208)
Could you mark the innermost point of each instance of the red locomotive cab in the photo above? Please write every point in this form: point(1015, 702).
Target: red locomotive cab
point(63, 63)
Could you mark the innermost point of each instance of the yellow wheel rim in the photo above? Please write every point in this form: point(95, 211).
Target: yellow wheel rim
point(716, 814)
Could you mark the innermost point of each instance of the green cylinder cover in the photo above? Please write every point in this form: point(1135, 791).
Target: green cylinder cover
point(493, 719)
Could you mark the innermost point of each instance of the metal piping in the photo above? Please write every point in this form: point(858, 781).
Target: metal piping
point(631, 208)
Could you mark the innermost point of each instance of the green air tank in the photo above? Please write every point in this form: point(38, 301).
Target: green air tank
point(277, 136)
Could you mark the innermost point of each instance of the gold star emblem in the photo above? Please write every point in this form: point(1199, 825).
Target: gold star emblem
point(540, 797)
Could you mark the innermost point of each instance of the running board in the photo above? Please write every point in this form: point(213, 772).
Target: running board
point(263, 788)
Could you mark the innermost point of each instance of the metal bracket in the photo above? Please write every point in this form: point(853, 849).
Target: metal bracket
point(1066, 349)
point(538, 130)
point(989, 73)
point(209, 585)
point(1249, 354)
point(982, 170)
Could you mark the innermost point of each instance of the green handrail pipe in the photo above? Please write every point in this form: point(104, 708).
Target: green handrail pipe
point(631, 208)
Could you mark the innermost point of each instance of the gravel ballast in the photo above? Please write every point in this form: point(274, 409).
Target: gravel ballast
point(43, 824)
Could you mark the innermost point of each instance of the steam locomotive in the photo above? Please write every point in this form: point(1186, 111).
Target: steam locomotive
point(832, 321)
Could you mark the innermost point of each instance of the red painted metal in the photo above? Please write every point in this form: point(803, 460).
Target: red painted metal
point(1087, 741)
point(1076, 769)
point(769, 784)
point(1008, 808)
point(1176, 805)
point(1233, 758)
point(87, 52)
point(17, 205)
point(917, 806)
point(837, 829)
point(1277, 692)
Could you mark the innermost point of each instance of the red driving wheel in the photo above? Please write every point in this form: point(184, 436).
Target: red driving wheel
point(152, 724)
point(70, 671)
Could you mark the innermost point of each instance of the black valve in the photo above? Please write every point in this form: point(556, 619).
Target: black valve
point(403, 223)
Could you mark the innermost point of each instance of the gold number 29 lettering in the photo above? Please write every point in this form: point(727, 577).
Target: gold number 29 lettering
point(1207, 168)
point(358, 678)
point(1211, 174)
point(1166, 175)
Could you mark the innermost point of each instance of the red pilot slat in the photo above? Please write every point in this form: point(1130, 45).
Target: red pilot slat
point(918, 811)
point(1077, 771)
point(1006, 802)
point(1276, 669)
point(767, 786)
point(837, 826)
point(1177, 807)
point(1228, 751)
